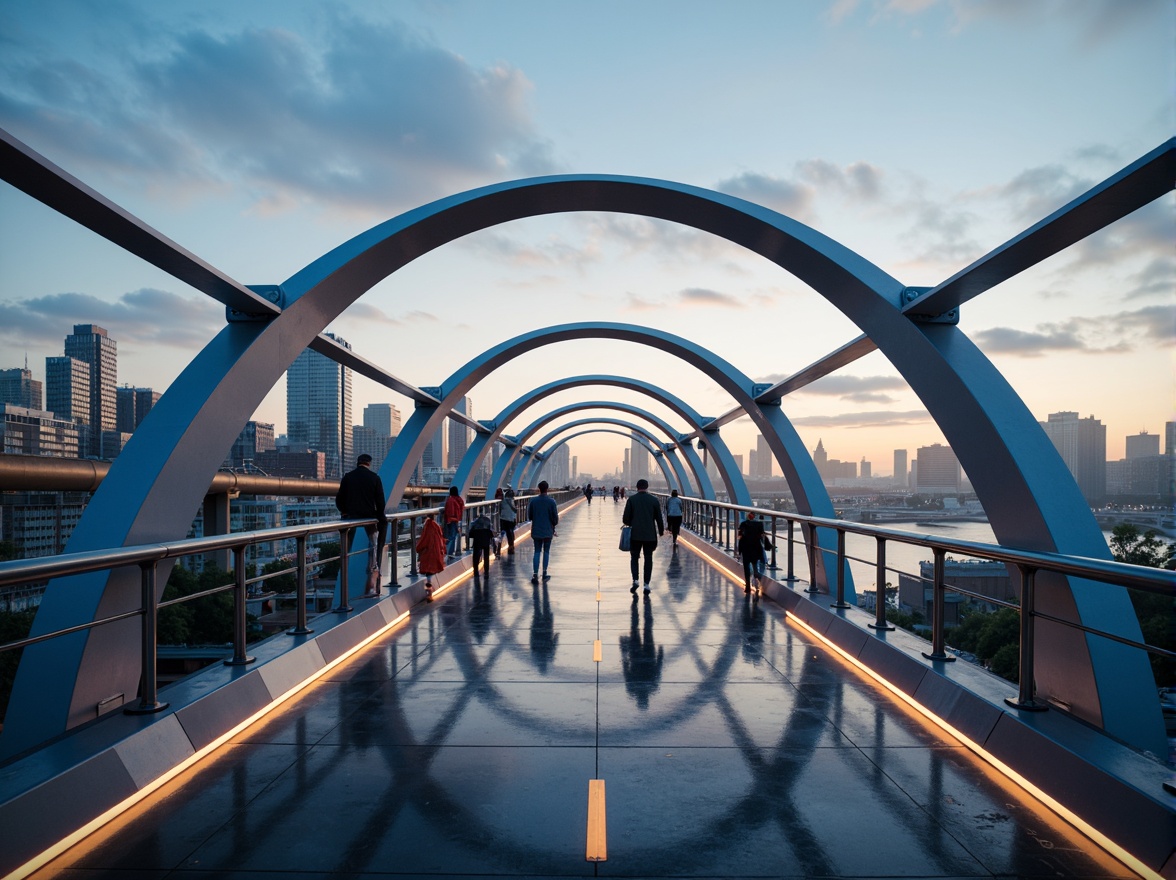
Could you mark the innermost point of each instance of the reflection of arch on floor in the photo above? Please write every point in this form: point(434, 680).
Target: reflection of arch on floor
point(1031, 499)
point(654, 448)
point(483, 441)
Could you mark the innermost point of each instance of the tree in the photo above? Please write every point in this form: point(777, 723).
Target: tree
point(1156, 612)
point(330, 570)
point(285, 583)
point(1128, 545)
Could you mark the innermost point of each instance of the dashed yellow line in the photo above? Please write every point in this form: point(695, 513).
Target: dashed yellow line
point(597, 848)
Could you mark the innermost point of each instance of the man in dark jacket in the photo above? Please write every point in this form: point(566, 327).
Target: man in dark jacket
point(643, 515)
point(361, 496)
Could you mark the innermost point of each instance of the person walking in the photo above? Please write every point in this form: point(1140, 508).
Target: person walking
point(430, 553)
point(644, 516)
point(544, 516)
point(674, 515)
point(507, 517)
point(454, 511)
point(751, 548)
point(482, 538)
point(588, 490)
point(361, 496)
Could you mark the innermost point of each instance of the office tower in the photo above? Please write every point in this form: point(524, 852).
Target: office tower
point(1142, 444)
point(1169, 438)
point(369, 441)
point(18, 387)
point(820, 457)
point(762, 466)
point(26, 431)
point(939, 470)
point(255, 438)
point(867, 470)
point(639, 464)
point(459, 434)
point(90, 344)
point(558, 471)
point(575, 469)
point(67, 391)
point(433, 456)
point(1082, 444)
point(318, 408)
point(125, 409)
point(383, 418)
point(900, 466)
point(739, 462)
point(145, 400)
point(752, 462)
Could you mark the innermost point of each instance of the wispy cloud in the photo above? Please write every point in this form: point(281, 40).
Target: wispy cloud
point(857, 389)
point(370, 114)
point(144, 317)
point(366, 313)
point(1107, 334)
point(873, 419)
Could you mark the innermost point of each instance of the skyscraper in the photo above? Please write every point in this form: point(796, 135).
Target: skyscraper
point(939, 470)
point(639, 464)
point(1142, 444)
point(18, 387)
point(318, 408)
point(459, 434)
point(763, 459)
point(90, 344)
point(900, 466)
point(383, 418)
point(1082, 444)
point(67, 386)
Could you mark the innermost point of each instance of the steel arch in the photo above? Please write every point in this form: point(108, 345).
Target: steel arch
point(1031, 499)
point(658, 453)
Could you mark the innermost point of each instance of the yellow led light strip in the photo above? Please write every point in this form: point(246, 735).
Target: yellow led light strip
point(118, 809)
point(1062, 812)
point(597, 654)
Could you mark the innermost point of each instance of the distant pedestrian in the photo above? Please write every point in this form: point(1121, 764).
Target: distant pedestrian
point(644, 516)
point(544, 516)
point(616, 494)
point(751, 548)
point(430, 553)
point(507, 517)
point(454, 511)
point(588, 492)
point(674, 514)
point(361, 496)
point(482, 538)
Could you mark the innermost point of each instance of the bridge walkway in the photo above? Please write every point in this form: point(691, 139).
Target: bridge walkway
point(463, 742)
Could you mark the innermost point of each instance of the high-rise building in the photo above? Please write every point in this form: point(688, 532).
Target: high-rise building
point(369, 441)
point(558, 471)
point(900, 466)
point(18, 387)
point(762, 466)
point(25, 431)
point(125, 409)
point(639, 464)
point(459, 434)
point(92, 345)
point(739, 461)
point(939, 470)
point(1169, 438)
point(255, 438)
point(145, 400)
point(383, 418)
point(1142, 444)
point(1082, 444)
point(866, 470)
point(318, 408)
point(67, 387)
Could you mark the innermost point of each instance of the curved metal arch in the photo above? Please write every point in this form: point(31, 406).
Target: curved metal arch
point(506, 463)
point(496, 427)
point(1031, 498)
point(654, 449)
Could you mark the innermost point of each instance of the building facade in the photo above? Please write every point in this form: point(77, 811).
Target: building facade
point(318, 408)
point(1082, 443)
point(938, 472)
point(17, 386)
point(25, 431)
point(91, 345)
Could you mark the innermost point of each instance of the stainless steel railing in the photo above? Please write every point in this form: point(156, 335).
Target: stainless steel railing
point(718, 522)
point(148, 557)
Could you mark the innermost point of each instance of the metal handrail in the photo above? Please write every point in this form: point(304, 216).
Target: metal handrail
point(148, 557)
point(705, 514)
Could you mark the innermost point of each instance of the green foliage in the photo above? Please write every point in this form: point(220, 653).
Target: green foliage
point(1006, 662)
point(907, 620)
point(285, 583)
point(330, 571)
point(1156, 613)
point(994, 637)
point(14, 625)
point(207, 621)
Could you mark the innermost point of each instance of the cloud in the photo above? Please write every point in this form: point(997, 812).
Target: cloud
point(874, 419)
point(366, 313)
point(777, 193)
point(857, 389)
point(1106, 334)
point(369, 116)
point(857, 182)
point(699, 296)
point(143, 317)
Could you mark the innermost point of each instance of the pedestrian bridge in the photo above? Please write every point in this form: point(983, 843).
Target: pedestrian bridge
point(713, 734)
point(567, 728)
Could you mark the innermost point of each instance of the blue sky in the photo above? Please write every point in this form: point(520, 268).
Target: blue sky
point(920, 133)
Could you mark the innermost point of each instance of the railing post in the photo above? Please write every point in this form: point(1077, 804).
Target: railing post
point(300, 627)
point(240, 606)
point(1025, 697)
point(880, 591)
point(840, 603)
point(791, 549)
point(393, 554)
point(772, 564)
point(937, 597)
point(344, 564)
point(811, 531)
point(412, 542)
point(149, 685)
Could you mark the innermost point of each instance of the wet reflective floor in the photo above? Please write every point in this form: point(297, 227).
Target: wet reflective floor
point(462, 743)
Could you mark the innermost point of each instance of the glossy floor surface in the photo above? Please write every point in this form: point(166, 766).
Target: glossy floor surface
point(462, 743)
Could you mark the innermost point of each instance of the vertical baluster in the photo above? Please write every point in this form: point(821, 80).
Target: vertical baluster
point(880, 588)
point(937, 602)
point(813, 550)
point(412, 550)
point(300, 627)
point(772, 565)
point(1025, 690)
point(791, 551)
point(840, 603)
point(344, 565)
point(240, 606)
point(149, 684)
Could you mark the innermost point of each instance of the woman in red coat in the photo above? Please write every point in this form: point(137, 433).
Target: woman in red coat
point(430, 553)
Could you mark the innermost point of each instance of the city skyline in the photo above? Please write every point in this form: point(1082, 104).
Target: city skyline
point(822, 111)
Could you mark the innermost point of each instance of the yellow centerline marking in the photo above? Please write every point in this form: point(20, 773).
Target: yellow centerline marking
point(596, 651)
point(597, 849)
